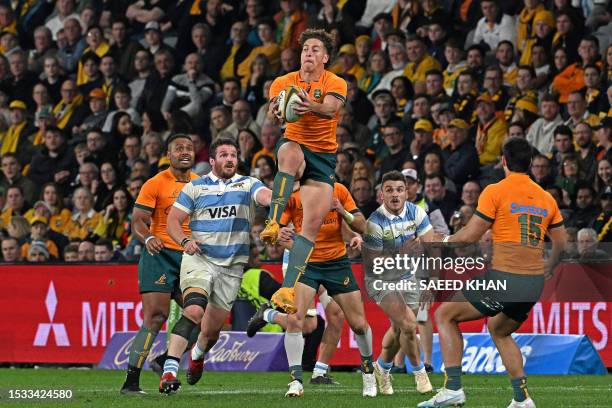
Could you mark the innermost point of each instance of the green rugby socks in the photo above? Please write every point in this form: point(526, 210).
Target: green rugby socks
point(138, 354)
point(281, 191)
point(298, 258)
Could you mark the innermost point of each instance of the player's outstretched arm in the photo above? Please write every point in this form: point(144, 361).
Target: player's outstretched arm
point(141, 219)
point(175, 221)
point(472, 232)
point(263, 197)
point(327, 108)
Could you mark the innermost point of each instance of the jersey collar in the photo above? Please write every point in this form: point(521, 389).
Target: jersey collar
point(217, 179)
point(391, 216)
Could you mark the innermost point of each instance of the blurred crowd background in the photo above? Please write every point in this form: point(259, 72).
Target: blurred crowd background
point(91, 89)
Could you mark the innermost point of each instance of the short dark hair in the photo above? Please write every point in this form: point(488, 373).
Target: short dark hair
point(174, 137)
point(563, 130)
point(438, 176)
point(54, 129)
point(105, 243)
point(518, 154)
point(548, 97)
point(502, 42)
point(585, 185)
point(367, 180)
point(222, 141)
point(269, 21)
point(319, 34)
point(435, 72)
point(90, 56)
point(393, 175)
point(232, 79)
point(529, 69)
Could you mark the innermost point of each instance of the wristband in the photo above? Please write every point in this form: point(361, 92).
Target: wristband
point(184, 241)
point(348, 217)
point(445, 239)
point(150, 237)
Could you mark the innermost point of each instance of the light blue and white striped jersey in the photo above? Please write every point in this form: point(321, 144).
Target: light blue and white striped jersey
point(388, 232)
point(221, 214)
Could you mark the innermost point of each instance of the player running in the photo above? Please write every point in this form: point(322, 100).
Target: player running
point(219, 208)
point(159, 265)
point(308, 144)
point(396, 225)
point(520, 213)
point(328, 267)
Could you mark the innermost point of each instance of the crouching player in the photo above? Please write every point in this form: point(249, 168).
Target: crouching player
point(329, 267)
point(220, 207)
point(394, 226)
point(520, 213)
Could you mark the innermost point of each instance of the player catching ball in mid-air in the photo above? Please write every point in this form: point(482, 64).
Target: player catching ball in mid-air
point(160, 263)
point(520, 213)
point(309, 146)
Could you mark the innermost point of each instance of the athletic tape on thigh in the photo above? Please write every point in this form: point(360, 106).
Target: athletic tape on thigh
point(195, 299)
point(325, 299)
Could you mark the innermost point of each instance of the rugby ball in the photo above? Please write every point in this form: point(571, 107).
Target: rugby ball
point(287, 98)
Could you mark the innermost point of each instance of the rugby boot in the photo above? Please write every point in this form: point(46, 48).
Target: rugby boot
point(257, 322)
point(169, 384)
point(194, 370)
point(270, 233)
point(284, 298)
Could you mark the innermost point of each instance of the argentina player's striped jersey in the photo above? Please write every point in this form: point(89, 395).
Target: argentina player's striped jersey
point(221, 214)
point(387, 232)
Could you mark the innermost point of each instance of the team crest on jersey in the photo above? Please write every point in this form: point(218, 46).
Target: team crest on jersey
point(388, 234)
point(410, 226)
point(238, 185)
point(317, 93)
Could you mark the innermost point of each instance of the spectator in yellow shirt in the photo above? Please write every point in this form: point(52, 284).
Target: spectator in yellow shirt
point(419, 63)
point(347, 62)
point(492, 130)
point(84, 218)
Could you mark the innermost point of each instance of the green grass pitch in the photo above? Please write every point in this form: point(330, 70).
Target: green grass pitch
point(94, 388)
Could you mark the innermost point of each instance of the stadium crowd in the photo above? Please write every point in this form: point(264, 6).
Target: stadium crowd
point(90, 90)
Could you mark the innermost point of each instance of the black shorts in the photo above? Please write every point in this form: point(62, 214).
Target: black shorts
point(502, 292)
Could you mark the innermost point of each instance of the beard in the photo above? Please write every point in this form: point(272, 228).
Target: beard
point(225, 171)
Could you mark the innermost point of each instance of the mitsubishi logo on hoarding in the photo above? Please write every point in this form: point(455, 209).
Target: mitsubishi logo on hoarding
point(58, 329)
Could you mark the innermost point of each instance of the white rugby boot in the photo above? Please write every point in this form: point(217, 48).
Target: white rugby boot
point(528, 403)
point(445, 398)
point(296, 389)
point(423, 385)
point(369, 385)
point(383, 379)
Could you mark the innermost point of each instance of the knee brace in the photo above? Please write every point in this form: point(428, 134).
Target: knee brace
point(183, 327)
point(195, 299)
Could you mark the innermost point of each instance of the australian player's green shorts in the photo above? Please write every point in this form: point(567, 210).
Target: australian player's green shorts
point(319, 166)
point(336, 276)
point(159, 272)
point(514, 294)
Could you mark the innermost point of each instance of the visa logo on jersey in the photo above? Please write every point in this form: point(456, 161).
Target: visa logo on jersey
point(223, 212)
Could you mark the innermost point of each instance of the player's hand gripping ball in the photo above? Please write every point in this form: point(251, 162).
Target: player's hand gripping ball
point(287, 100)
